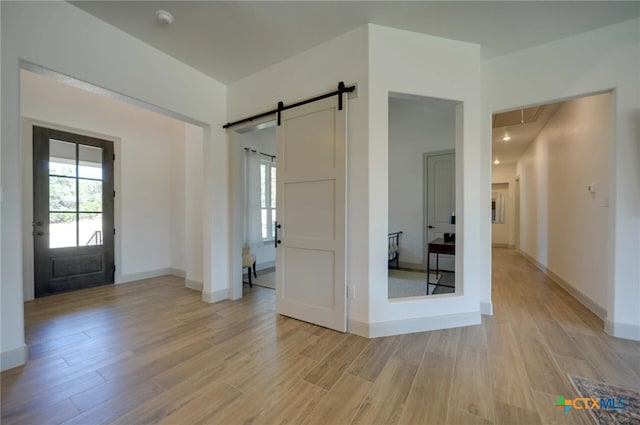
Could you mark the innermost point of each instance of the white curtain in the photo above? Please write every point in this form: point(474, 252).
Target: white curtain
point(252, 206)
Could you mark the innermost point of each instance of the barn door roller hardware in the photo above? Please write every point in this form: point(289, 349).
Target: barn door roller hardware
point(282, 107)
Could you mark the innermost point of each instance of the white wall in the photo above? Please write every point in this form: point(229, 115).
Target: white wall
point(177, 168)
point(416, 126)
point(565, 227)
point(263, 140)
point(194, 188)
point(600, 60)
point(418, 64)
point(146, 171)
point(506, 173)
point(315, 71)
point(59, 37)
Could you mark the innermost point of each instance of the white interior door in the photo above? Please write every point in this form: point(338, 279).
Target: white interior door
point(499, 217)
point(311, 210)
point(441, 201)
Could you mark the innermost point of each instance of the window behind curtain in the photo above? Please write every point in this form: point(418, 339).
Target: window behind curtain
point(268, 198)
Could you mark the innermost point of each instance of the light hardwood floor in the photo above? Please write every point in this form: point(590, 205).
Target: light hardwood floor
point(153, 352)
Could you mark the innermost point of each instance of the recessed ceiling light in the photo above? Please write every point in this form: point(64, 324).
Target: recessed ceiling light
point(506, 138)
point(164, 17)
point(497, 161)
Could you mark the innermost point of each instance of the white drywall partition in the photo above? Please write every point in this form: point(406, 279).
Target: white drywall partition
point(178, 199)
point(194, 188)
point(417, 64)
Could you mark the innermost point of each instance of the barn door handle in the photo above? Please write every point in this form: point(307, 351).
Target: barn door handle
point(276, 241)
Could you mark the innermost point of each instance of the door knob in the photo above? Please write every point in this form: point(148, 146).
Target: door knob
point(431, 227)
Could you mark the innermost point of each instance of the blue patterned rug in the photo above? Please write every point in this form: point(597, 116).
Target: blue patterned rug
point(608, 404)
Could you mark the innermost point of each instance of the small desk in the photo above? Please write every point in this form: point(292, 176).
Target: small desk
point(439, 246)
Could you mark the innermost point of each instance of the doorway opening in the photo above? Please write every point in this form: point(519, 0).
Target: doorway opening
point(550, 191)
point(259, 187)
point(157, 176)
point(423, 133)
point(309, 229)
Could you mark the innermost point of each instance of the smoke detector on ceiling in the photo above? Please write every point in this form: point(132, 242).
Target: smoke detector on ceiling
point(164, 17)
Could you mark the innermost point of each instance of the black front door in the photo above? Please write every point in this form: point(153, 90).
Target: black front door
point(73, 224)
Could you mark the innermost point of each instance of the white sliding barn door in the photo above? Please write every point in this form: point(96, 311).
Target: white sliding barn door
point(311, 210)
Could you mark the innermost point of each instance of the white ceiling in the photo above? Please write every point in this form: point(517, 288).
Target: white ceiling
point(229, 40)
point(508, 152)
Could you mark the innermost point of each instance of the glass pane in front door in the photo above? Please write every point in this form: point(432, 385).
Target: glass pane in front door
point(62, 230)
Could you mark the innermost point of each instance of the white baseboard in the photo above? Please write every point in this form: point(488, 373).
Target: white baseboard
point(178, 272)
point(215, 296)
point(418, 324)
point(486, 308)
point(584, 299)
point(144, 275)
point(192, 284)
point(358, 328)
point(622, 330)
point(13, 358)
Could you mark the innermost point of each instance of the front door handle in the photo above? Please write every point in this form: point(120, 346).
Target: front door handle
point(430, 227)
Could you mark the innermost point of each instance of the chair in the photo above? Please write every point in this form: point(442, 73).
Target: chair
point(249, 262)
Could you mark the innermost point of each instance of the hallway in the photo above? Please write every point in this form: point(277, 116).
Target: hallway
point(152, 351)
point(551, 334)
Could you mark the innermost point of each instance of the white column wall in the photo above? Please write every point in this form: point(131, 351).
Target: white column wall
point(418, 64)
point(178, 200)
point(194, 187)
point(60, 37)
point(604, 59)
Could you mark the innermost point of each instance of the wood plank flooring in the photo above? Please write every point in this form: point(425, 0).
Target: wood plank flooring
point(153, 352)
